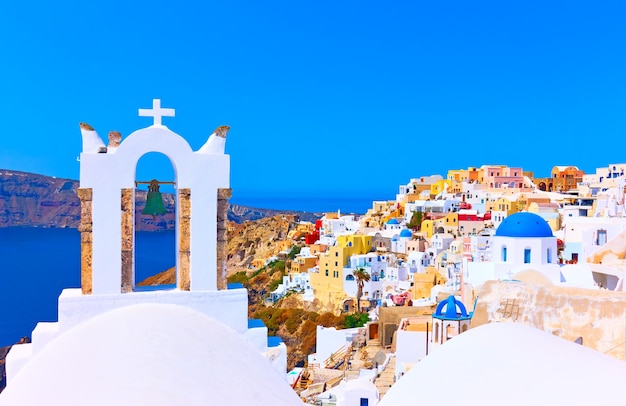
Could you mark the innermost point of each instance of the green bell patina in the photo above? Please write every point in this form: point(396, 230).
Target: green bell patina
point(154, 200)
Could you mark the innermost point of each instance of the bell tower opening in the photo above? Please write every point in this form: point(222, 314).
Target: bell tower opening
point(155, 223)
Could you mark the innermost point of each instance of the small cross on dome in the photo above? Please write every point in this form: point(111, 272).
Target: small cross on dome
point(157, 112)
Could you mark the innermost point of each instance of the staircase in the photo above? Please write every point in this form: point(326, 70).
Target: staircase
point(338, 357)
point(386, 378)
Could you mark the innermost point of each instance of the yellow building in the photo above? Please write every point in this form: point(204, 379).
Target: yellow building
point(374, 218)
point(549, 212)
point(424, 282)
point(448, 224)
point(439, 187)
point(330, 277)
point(303, 264)
point(504, 204)
point(428, 228)
point(464, 175)
point(524, 200)
point(317, 249)
point(283, 245)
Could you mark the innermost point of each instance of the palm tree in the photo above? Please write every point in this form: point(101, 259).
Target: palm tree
point(361, 276)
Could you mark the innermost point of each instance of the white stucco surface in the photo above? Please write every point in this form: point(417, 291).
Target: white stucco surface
point(511, 364)
point(227, 306)
point(108, 173)
point(149, 354)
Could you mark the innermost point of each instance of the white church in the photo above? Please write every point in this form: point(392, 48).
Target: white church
point(116, 344)
point(523, 241)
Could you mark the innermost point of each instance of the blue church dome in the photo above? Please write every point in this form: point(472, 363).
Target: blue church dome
point(393, 221)
point(454, 310)
point(406, 233)
point(524, 225)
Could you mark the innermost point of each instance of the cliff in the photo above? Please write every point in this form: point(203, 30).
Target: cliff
point(31, 200)
point(28, 199)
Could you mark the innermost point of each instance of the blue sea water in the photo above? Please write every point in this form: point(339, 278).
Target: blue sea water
point(36, 264)
point(315, 204)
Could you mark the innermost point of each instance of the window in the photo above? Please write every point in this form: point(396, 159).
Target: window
point(601, 237)
point(504, 254)
point(527, 255)
point(549, 255)
point(336, 254)
point(327, 272)
point(350, 277)
point(336, 263)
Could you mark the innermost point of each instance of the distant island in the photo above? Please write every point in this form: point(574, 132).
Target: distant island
point(33, 200)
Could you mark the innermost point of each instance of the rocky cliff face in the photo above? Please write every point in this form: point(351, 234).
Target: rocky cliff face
point(27, 199)
point(31, 200)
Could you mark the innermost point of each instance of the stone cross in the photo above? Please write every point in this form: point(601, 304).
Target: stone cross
point(510, 273)
point(157, 112)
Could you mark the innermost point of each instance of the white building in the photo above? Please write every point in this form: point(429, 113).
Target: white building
point(296, 282)
point(584, 235)
point(523, 241)
point(440, 242)
point(398, 243)
point(441, 206)
point(414, 183)
point(376, 266)
point(329, 341)
point(418, 261)
point(339, 225)
point(602, 180)
point(548, 366)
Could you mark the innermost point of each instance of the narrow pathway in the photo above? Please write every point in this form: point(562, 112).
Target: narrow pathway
point(386, 378)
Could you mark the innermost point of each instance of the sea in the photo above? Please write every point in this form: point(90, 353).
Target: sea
point(36, 264)
point(313, 204)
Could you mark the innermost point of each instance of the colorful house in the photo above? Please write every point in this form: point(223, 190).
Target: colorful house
point(330, 276)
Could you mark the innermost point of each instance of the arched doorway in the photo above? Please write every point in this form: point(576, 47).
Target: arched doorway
point(155, 234)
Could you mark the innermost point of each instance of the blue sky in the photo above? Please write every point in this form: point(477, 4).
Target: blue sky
point(326, 98)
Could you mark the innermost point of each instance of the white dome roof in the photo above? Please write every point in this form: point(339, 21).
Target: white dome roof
point(149, 354)
point(510, 364)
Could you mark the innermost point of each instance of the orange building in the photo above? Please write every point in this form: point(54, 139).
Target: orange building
point(562, 179)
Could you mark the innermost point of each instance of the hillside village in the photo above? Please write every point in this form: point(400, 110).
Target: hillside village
point(490, 243)
point(489, 270)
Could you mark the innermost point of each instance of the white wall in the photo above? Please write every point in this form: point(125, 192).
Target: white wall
point(410, 348)
point(108, 173)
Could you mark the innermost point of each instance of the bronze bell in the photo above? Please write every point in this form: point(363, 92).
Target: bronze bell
point(154, 200)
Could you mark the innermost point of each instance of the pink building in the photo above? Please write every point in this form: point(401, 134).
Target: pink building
point(503, 177)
